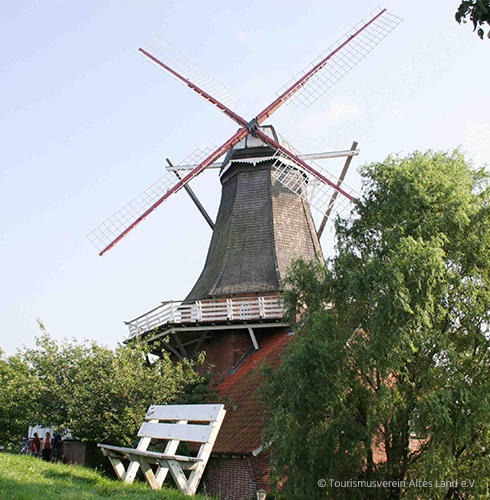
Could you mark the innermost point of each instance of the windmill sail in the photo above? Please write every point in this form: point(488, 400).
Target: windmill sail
point(107, 232)
point(333, 64)
point(192, 76)
point(170, 57)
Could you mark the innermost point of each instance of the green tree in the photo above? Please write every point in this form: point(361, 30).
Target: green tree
point(99, 394)
point(478, 12)
point(19, 393)
point(391, 352)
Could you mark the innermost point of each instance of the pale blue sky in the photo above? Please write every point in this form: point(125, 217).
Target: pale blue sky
point(86, 125)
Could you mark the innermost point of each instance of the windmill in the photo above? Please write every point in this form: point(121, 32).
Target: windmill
point(234, 311)
point(264, 220)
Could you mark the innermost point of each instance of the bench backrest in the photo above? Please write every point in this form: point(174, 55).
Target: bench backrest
point(170, 422)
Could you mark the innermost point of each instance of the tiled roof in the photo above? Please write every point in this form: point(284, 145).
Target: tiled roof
point(243, 425)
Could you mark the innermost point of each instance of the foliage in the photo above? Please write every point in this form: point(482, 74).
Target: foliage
point(97, 393)
point(19, 392)
point(478, 12)
point(28, 478)
point(392, 344)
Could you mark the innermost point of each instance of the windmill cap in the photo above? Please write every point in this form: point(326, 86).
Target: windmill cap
point(252, 149)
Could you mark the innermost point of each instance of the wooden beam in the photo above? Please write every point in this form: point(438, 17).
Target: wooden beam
point(199, 343)
point(309, 156)
point(179, 477)
point(147, 471)
point(336, 193)
point(210, 328)
point(254, 340)
point(180, 345)
point(118, 467)
point(172, 349)
point(193, 196)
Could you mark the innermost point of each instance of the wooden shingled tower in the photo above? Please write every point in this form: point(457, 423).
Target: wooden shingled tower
point(234, 312)
point(260, 228)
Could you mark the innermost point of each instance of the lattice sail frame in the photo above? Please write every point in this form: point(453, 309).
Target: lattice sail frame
point(344, 58)
point(315, 192)
point(179, 62)
point(112, 227)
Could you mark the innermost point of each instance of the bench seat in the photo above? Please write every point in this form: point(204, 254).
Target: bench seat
point(119, 451)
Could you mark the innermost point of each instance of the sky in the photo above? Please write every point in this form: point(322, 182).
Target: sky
point(86, 124)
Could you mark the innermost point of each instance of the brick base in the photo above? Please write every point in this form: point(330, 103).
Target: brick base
point(236, 478)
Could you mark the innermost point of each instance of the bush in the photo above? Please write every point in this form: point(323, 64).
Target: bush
point(97, 393)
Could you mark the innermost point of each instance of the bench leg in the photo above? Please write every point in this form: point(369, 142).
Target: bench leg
point(160, 475)
point(134, 466)
point(147, 471)
point(195, 477)
point(132, 471)
point(180, 478)
point(118, 467)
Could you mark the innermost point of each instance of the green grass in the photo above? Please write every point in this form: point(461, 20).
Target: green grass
point(28, 478)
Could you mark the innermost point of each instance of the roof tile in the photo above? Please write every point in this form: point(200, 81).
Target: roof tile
point(244, 424)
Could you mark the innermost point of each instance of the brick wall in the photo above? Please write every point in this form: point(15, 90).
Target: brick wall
point(237, 477)
point(224, 351)
point(230, 478)
point(261, 471)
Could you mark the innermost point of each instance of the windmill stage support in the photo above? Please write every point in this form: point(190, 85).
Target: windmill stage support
point(181, 346)
point(199, 343)
point(254, 339)
point(167, 346)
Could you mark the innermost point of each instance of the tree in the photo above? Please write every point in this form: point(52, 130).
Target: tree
point(391, 353)
point(99, 394)
point(478, 11)
point(19, 393)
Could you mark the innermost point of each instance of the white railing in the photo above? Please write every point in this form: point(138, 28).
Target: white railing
point(208, 311)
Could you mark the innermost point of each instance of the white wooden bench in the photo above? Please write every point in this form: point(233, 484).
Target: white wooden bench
point(170, 423)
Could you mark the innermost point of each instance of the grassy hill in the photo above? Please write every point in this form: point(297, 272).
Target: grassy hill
point(28, 478)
